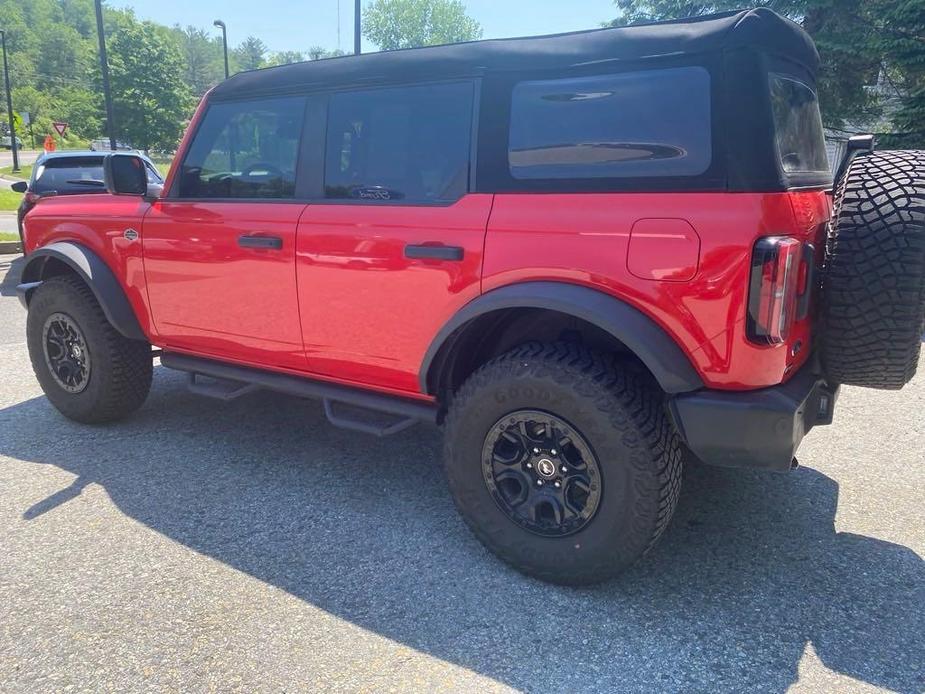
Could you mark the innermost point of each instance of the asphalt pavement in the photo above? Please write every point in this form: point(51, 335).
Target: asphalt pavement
point(26, 156)
point(250, 546)
point(8, 223)
point(6, 159)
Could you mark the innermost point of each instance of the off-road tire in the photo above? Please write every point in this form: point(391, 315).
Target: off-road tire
point(121, 369)
point(619, 409)
point(873, 294)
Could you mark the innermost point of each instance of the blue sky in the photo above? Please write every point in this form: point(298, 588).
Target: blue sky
point(291, 25)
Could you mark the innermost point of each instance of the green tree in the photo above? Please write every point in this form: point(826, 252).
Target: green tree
point(900, 27)
point(202, 56)
point(38, 104)
point(80, 15)
point(64, 58)
point(861, 43)
point(319, 52)
point(151, 100)
point(392, 24)
point(77, 106)
point(251, 54)
point(316, 52)
point(52, 62)
point(285, 58)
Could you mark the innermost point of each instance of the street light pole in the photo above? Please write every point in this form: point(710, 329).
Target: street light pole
point(232, 136)
point(104, 67)
point(356, 28)
point(219, 23)
point(9, 104)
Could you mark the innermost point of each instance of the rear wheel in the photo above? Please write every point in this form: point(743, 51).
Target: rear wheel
point(563, 462)
point(873, 305)
point(89, 371)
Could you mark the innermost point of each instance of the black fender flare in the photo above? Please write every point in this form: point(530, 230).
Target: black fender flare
point(641, 335)
point(92, 270)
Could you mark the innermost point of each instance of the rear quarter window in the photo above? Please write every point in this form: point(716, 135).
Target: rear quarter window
point(798, 129)
point(636, 124)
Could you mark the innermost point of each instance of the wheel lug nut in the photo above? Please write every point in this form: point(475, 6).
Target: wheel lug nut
point(553, 451)
point(536, 450)
point(539, 483)
point(564, 469)
point(558, 483)
point(529, 466)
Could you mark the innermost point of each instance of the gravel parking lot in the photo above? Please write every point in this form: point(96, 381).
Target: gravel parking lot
point(251, 546)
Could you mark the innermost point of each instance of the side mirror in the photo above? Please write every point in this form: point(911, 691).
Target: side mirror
point(125, 174)
point(20, 187)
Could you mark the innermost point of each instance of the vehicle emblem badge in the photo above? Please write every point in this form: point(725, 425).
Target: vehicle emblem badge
point(130, 234)
point(546, 468)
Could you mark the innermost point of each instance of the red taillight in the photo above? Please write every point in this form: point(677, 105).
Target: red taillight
point(777, 273)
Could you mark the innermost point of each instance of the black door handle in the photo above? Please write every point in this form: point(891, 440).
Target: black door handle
point(274, 242)
point(433, 252)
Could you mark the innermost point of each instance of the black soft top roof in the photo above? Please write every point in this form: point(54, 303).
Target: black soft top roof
point(760, 29)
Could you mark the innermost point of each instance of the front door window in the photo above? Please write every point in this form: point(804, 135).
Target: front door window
point(245, 149)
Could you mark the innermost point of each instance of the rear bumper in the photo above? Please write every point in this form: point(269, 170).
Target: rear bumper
point(759, 429)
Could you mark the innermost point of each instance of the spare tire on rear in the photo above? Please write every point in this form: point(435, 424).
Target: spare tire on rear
point(873, 299)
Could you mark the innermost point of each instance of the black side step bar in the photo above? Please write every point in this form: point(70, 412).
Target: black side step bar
point(220, 389)
point(345, 407)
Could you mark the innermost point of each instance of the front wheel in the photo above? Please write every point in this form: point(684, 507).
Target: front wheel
point(563, 462)
point(89, 371)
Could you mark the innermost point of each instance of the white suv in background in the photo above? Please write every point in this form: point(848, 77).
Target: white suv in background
point(102, 145)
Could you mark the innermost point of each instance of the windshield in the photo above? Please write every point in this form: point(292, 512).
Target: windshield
point(69, 175)
point(798, 126)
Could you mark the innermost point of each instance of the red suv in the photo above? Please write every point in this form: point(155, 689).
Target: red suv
point(589, 256)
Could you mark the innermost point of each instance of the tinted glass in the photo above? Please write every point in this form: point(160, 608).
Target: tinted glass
point(408, 143)
point(652, 123)
point(153, 175)
point(798, 126)
point(68, 175)
point(245, 150)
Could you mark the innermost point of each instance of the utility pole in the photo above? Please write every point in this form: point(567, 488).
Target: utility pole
point(221, 25)
point(104, 67)
point(357, 35)
point(9, 105)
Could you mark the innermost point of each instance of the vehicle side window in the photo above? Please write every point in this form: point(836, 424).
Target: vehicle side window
point(798, 126)
point(153, 175)
point(407, 143)
point(245, 150)
point(647, 123)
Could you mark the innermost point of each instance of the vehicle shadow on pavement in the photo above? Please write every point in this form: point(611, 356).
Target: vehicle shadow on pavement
point(751, 571)
point(10, 267)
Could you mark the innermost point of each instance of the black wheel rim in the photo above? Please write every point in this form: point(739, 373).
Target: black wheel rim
point(542, 473)
point(66, 353)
